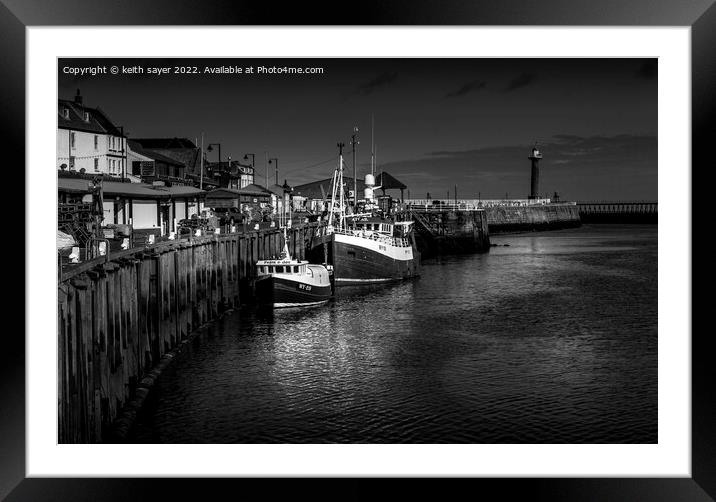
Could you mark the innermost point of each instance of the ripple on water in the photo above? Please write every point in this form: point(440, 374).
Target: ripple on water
point(529, 343)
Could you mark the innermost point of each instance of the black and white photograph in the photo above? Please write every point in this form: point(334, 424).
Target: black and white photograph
point(357, 250)
point(448, 241)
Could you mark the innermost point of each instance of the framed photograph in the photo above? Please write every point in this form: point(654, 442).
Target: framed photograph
point(478, 166)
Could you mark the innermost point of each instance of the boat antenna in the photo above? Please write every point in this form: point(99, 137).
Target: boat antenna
point(372, 148)
point(354, 143)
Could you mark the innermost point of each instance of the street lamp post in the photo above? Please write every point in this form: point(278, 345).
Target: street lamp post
point(253, 159)
point(287, 202)
point(253, 164)
point(271, 162)
point(209, 149)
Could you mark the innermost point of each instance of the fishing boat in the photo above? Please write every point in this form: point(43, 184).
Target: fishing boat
point(288, 282)
point(368, 247)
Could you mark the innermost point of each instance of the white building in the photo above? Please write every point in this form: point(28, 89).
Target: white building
point(147, 208)
point(87, 139)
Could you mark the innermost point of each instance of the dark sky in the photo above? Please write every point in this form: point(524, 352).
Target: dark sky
point(438, 122)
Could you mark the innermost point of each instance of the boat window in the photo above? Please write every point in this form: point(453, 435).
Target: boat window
point(295, 269)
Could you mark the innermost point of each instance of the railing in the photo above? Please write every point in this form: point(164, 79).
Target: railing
point(399, 242)
point(428, 205)
point(616, 207)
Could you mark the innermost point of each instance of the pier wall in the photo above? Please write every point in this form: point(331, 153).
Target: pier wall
point(450, 231)
point(502, 219)
point(119, 316)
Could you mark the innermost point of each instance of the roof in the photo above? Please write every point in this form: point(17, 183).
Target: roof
point(387, 182)
point(137, 148)
point(134, 190)
point(313, 190)
point(276, 189)
point(180, 149)
point(166, 143)
point(98, 121)
point(230, 193)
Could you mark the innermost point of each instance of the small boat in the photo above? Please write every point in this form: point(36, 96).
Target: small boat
point(287, 282)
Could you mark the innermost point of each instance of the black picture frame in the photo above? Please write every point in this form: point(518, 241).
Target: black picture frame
point(16, 15)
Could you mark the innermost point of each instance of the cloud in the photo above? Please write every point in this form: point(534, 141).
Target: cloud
point(379, 81)
point(522, 80)
point(648, 70)
point(475, 85)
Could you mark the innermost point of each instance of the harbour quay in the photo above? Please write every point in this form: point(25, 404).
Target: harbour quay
point(124, 315)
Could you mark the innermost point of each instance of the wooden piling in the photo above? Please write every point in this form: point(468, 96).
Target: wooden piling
point(116, 319)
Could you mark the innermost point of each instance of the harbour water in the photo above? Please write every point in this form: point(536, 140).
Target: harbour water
point(549, 337)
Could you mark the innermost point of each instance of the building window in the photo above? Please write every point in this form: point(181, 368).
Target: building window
point(72, 161)
point(86, 116)
point(66, 112)
point(96, 142)
point(72, 140)
point(96, 163)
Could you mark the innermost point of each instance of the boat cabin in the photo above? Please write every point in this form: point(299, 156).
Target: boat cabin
point(269, 267)
point(372, 226)
point(315, 272)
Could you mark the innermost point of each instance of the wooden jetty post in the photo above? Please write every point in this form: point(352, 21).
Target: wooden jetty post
point(120, 320)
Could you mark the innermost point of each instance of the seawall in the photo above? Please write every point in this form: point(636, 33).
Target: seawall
point(501, 219)
point(120, 318)
point(440, 232)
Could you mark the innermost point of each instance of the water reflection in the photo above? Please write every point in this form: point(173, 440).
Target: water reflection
point(528, 343)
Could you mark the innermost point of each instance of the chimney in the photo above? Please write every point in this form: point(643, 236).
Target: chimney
point(78, 98)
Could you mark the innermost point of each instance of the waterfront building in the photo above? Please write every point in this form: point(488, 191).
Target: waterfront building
point(149, 165)
point(87, 139)
point(149, 208)
point(229, 174)
point(224, 197)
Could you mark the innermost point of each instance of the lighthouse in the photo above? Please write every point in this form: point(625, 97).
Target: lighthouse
point(534, 186)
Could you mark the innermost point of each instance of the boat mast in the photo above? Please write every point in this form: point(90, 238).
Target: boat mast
point(332, 209)
point(286, 254)
point(355, 142)
point(340, 186)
